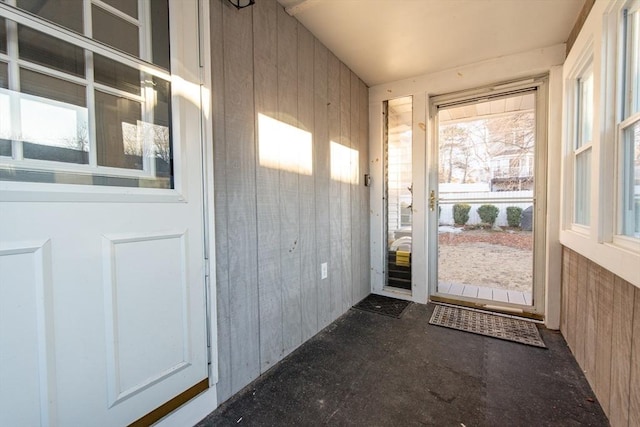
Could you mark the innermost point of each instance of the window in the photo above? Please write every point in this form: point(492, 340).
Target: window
point(629, 125)
point(582, 149)
point(85, 92)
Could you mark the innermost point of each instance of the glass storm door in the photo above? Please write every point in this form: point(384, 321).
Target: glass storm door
point(483, 200)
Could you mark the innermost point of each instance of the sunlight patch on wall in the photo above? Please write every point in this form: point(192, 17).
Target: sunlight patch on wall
point(345, 165)
point(284, 147)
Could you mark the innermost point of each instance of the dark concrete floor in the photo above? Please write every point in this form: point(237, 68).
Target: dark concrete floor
point(366, 369)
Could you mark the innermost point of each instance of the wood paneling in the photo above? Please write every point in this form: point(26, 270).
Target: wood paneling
point(345, 187)
point(310, 268)
point(634, 378)
point(289, 185)
point(581, 314)
point(322, 176)
point(610, 340)
point(623, 300)
point(268, 189)
point(603, 343)
point(335, 208)
point(590, 343)
point(276, 224)
point(220, 200)
point(240, 192)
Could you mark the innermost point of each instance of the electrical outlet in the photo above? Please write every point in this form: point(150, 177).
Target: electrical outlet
point(323, 270)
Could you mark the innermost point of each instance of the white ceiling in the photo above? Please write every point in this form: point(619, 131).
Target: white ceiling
point(387, 40)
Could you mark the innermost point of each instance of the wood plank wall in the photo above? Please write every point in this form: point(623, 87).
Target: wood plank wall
point(601, 324)
point(275, 227)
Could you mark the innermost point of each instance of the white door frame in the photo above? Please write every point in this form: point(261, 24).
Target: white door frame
point(540, 85)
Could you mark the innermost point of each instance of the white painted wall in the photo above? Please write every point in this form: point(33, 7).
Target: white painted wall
point(495, 71)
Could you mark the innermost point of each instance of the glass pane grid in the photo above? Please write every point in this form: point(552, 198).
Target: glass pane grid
point(56, 125)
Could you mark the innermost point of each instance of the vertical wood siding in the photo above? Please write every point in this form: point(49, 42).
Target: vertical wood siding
point(601, 324)
point(275, 227)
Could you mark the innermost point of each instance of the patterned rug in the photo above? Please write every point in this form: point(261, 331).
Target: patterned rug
point(491, 325)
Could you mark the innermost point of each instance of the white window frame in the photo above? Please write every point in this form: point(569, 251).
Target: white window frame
point(584, 66)
point(627, 61)
point(143, 64)
point(599, 39)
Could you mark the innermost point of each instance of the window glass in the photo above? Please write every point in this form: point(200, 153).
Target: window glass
point(585, 110)
point(4, 75)
point(5, 116)
point(159, 11)
point(50, 87)
point(5, 147)
point(127, 6)
point(51, 52)
point(53, 119)
point(3, 35)
point(62, 12)
point(582, 191)
point(116, 75)
point(118, 141)
point(629, 127)
point(631, 181)
point(162, 127)
point(115, 31)
point(633, 62)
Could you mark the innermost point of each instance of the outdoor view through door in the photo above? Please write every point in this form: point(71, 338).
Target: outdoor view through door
point(485, 194)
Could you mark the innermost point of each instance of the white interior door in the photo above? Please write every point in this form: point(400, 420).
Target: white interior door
point(102, 287)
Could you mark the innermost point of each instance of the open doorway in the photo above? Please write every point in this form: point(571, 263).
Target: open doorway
point(483, 200)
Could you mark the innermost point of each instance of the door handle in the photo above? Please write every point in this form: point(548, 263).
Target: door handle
point(432, 201)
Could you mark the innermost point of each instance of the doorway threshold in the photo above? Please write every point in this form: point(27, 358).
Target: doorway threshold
point(504, 309)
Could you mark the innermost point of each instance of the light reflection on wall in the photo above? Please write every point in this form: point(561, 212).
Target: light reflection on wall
point(284, 147)
point(344, 164)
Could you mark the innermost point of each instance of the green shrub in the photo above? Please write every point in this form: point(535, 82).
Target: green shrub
point(461, 213)
point(514, 215)
point(488, 213)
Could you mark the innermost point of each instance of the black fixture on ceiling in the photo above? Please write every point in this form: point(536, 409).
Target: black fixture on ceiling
point(239, 4)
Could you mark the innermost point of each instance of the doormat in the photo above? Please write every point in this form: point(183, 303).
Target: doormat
point(383, 305)
point(490, 325)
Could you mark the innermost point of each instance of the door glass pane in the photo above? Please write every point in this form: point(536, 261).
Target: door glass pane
point(118, 142)
point(4, 75)
point(49, 51)
point(50, 87)
point(159, 11)
point(3, 35)
point(67, 13)
point(486, 158)
point(115, 31)
point(631, 181)
point(116, 75)
point(52, 119)
point(399, 191)
point(127, 6)
point(5, 115)
point(162, 127)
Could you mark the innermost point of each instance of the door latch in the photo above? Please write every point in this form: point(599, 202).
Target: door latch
point(432, 201)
